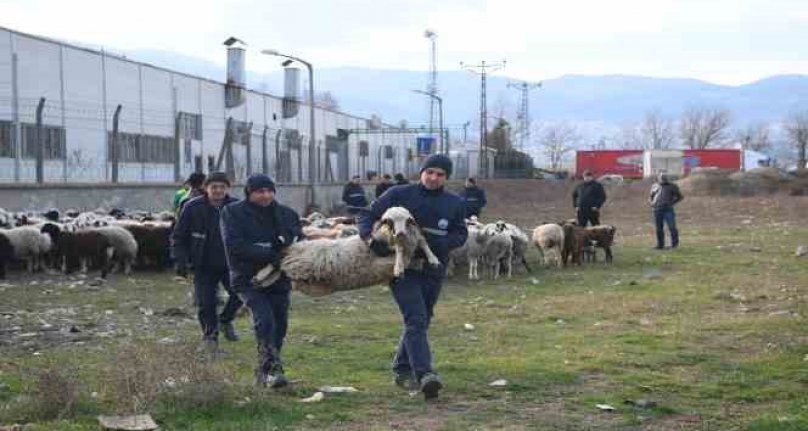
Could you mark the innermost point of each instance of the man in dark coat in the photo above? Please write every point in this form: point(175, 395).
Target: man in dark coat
point(587, 199)
point(255, 232)
point(400, 180)
point(385, 183)
point(664, 196)
point(439, 214)
point(474, 198)
point(354, 196)
point(196, 240)
point(194, 186)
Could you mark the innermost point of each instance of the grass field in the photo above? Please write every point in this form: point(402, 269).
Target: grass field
point(712, 336)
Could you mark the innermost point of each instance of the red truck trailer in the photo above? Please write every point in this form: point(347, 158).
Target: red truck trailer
point(729, 159)
point(628, 163)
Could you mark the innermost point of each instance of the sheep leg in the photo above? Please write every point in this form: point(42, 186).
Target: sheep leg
point(608, 251)
point(261, 275)
point(510, 266)
point(471, 268)
point(496, 267)
point(398, 267)
point(542, 257)
point(430, 257)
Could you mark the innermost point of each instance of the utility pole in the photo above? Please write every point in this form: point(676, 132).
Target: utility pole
point(523, 117)
point(483, 70)
point(432, 83)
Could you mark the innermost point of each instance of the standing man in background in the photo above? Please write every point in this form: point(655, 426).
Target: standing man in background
point(354, 196)
point(664, 195)
point(587, 199)
point(474, 198)
point(255, 232)
point(194, 187)
point(385, 183)
point(196, 239)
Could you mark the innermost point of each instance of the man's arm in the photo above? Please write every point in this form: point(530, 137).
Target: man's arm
point(575, 197)
point(179, 239)
point(601, 196)
point(237, 244)
point(677, 194)
point(483, 200)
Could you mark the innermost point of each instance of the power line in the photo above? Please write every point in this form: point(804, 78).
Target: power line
point(523, 116)
point(483, 69)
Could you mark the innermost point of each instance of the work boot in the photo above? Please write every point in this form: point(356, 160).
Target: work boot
point(277, 379)
point(404, 380)
point(229, 331)
point(430, 386)
point(210, 348)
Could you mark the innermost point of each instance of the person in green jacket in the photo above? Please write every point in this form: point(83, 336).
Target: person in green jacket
point(195, 180)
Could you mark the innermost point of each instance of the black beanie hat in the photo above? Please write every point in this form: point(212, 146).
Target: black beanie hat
point(258, 181)
point(217, 177)
point(440, 161)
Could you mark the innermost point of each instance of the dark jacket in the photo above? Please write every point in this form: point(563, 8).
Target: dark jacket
point(439, 213)
point(382, 187)
point(193, 193)
point(354, 195)
point(254, 236)
point(474, 198)
point(196, 237)
point(588, 195)
point(665, 195)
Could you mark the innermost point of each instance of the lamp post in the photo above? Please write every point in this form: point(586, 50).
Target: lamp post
point(312, 141)
point(444, 147)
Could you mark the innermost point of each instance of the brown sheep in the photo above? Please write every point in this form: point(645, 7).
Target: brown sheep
point(575, 239)
point(602, 236)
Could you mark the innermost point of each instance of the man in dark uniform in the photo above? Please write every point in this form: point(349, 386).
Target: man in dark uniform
point(385, 183)
point(195, 187)
point(400, 180)
point(664, 195)
point(587, 199)
point(440, 215)
point(354, 196)
point(255, 231)
point(474, 198)
point(196, 239)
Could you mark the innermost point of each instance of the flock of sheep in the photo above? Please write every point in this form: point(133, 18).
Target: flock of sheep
point(118, 241)
point(84, 240)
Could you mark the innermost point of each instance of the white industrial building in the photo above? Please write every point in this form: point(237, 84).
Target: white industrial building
point(170, 124)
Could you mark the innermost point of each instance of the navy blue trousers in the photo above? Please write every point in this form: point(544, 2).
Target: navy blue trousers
point(206, 294)
point(416, 294)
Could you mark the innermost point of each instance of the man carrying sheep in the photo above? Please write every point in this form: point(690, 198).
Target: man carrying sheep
point(587, 199)
point(255, 231)
point(664, 195)
point(196, 239)
point(440, 214)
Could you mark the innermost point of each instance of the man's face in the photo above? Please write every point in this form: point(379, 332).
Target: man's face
point(433, 178)
point(262, 197)
point(355, 180)
point(469, 184)
point(216, 191)
point(588, 178)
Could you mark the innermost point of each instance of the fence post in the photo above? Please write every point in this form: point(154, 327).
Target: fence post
point(264, 160)
point(249, 148)
point(179, 149)
point(114, 150)
point(40, 165)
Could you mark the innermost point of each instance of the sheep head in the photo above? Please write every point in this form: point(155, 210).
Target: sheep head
point(398, 222)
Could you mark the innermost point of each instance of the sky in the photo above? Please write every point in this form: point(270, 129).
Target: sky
point(728, 42)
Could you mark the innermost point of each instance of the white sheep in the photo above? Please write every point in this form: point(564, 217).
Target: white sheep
point(498, 248)
point(549, 239)
point(124, 244)
point(320, 267)
point(23, 243)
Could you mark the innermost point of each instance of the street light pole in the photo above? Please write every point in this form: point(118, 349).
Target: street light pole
point(444, 147)
point(312, 140)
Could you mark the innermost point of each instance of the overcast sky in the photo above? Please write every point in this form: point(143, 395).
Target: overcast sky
point(721, 41)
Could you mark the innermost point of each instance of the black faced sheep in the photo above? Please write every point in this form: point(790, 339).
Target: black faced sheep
point(77, 248)
point(23, 243)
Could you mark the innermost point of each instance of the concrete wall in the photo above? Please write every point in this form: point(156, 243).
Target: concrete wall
point(150, 197)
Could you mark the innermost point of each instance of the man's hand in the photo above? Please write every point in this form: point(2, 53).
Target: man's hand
point(595, 209)
point(380, 248)
point(576, 209)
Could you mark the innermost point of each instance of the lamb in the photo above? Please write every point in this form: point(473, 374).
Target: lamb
point(602, 236)
point(575, 239)
point(75, 248)
point(498, 248)
point(124, 244)
point(470, 252)
point(321, 267)
point(152, 241)
point(520, 241)
point(549, 239)
point(26, 243)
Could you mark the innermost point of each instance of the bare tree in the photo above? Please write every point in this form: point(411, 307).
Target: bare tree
point(657, 131)
point(754, 137)
point(323, 99)
point(797, 129)
point(702, 127)
point(629, 137)
point(558, 140)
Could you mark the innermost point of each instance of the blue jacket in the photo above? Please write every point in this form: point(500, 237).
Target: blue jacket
point(196, 237)
point(354, 195)
point(474, 198)
point(439, 213)
point(254, 236)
